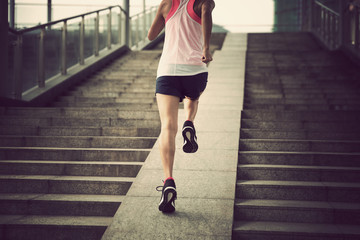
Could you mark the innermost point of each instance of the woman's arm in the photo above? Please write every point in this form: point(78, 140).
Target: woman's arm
point(159, 21)
point(206, 19)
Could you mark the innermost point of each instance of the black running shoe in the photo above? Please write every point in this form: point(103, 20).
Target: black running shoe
point(168, 196)
point(190, 140)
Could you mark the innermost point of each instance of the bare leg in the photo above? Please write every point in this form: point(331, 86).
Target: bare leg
point(190, 107)
point(168, 109)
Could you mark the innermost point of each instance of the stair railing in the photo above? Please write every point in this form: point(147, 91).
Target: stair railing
point(325, 25)
point(40, 53)
point(337, 29)
point(139, 25)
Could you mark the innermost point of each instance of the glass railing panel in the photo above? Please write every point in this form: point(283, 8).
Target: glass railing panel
point(115, 26)
point(102, 31)
point(34, 68)
point(89, 36)
point(73, 44)
point(52, 50)
point(29, 63)
point(141, 27)
point(12, 38)
point(134, 31)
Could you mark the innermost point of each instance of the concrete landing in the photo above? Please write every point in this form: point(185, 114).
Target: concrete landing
point(205, 180)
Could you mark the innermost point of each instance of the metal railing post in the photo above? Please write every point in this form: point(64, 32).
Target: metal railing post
point(63, 49)
point(17, 94)
point(109, 30)
point(41, 63)
point(341, 28)
point(96, 42)
point(81, 43)
point(127, 23)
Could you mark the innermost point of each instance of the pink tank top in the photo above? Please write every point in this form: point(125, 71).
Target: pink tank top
point(182, 52)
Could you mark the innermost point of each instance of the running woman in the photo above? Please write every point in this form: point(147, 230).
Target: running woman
point(181, 76)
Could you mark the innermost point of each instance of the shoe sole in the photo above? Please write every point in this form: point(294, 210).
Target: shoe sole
point(190, 144)
point(167, 203)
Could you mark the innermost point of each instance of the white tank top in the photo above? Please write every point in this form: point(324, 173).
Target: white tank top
point(182, 51)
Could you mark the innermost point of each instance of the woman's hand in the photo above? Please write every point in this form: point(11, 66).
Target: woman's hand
point(206, 56)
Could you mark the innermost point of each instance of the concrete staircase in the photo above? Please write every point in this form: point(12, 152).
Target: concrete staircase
point(299, 158)
point(65, 169)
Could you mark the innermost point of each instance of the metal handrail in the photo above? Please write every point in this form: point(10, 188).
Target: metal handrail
point(327, 8)
point(63, 20)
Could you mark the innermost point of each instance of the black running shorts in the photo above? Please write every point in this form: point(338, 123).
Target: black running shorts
point(182, 86)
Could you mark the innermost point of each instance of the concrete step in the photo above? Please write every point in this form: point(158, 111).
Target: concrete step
point(77, 142)
point(300, 158)
point(325, 116)
point(113, 87)
point(299, 101)
point(73, 154)
point(313, 96)
point(71, 100)
point(140, 95)
point(59, 204)
point(55, 184)
point(123, 106)
point(285, 83)
point(126, 94)
point(73, 121)
point(249, 230)
point(300, 134)
point(298, 190)
point(80, 131)
point(294, 87)
point(64, 171)
point(79, 112)
point(110, 78)
point(103, 86)
point(70, 168)
point(123, 74)
point(318, 126)
point(299, 145)
point(300, 107)
point(297, 211)
point(318, 90)
point(116, 80)
point(112, 93)
point(18, 227)
point(298, 173)
point(264, 100)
